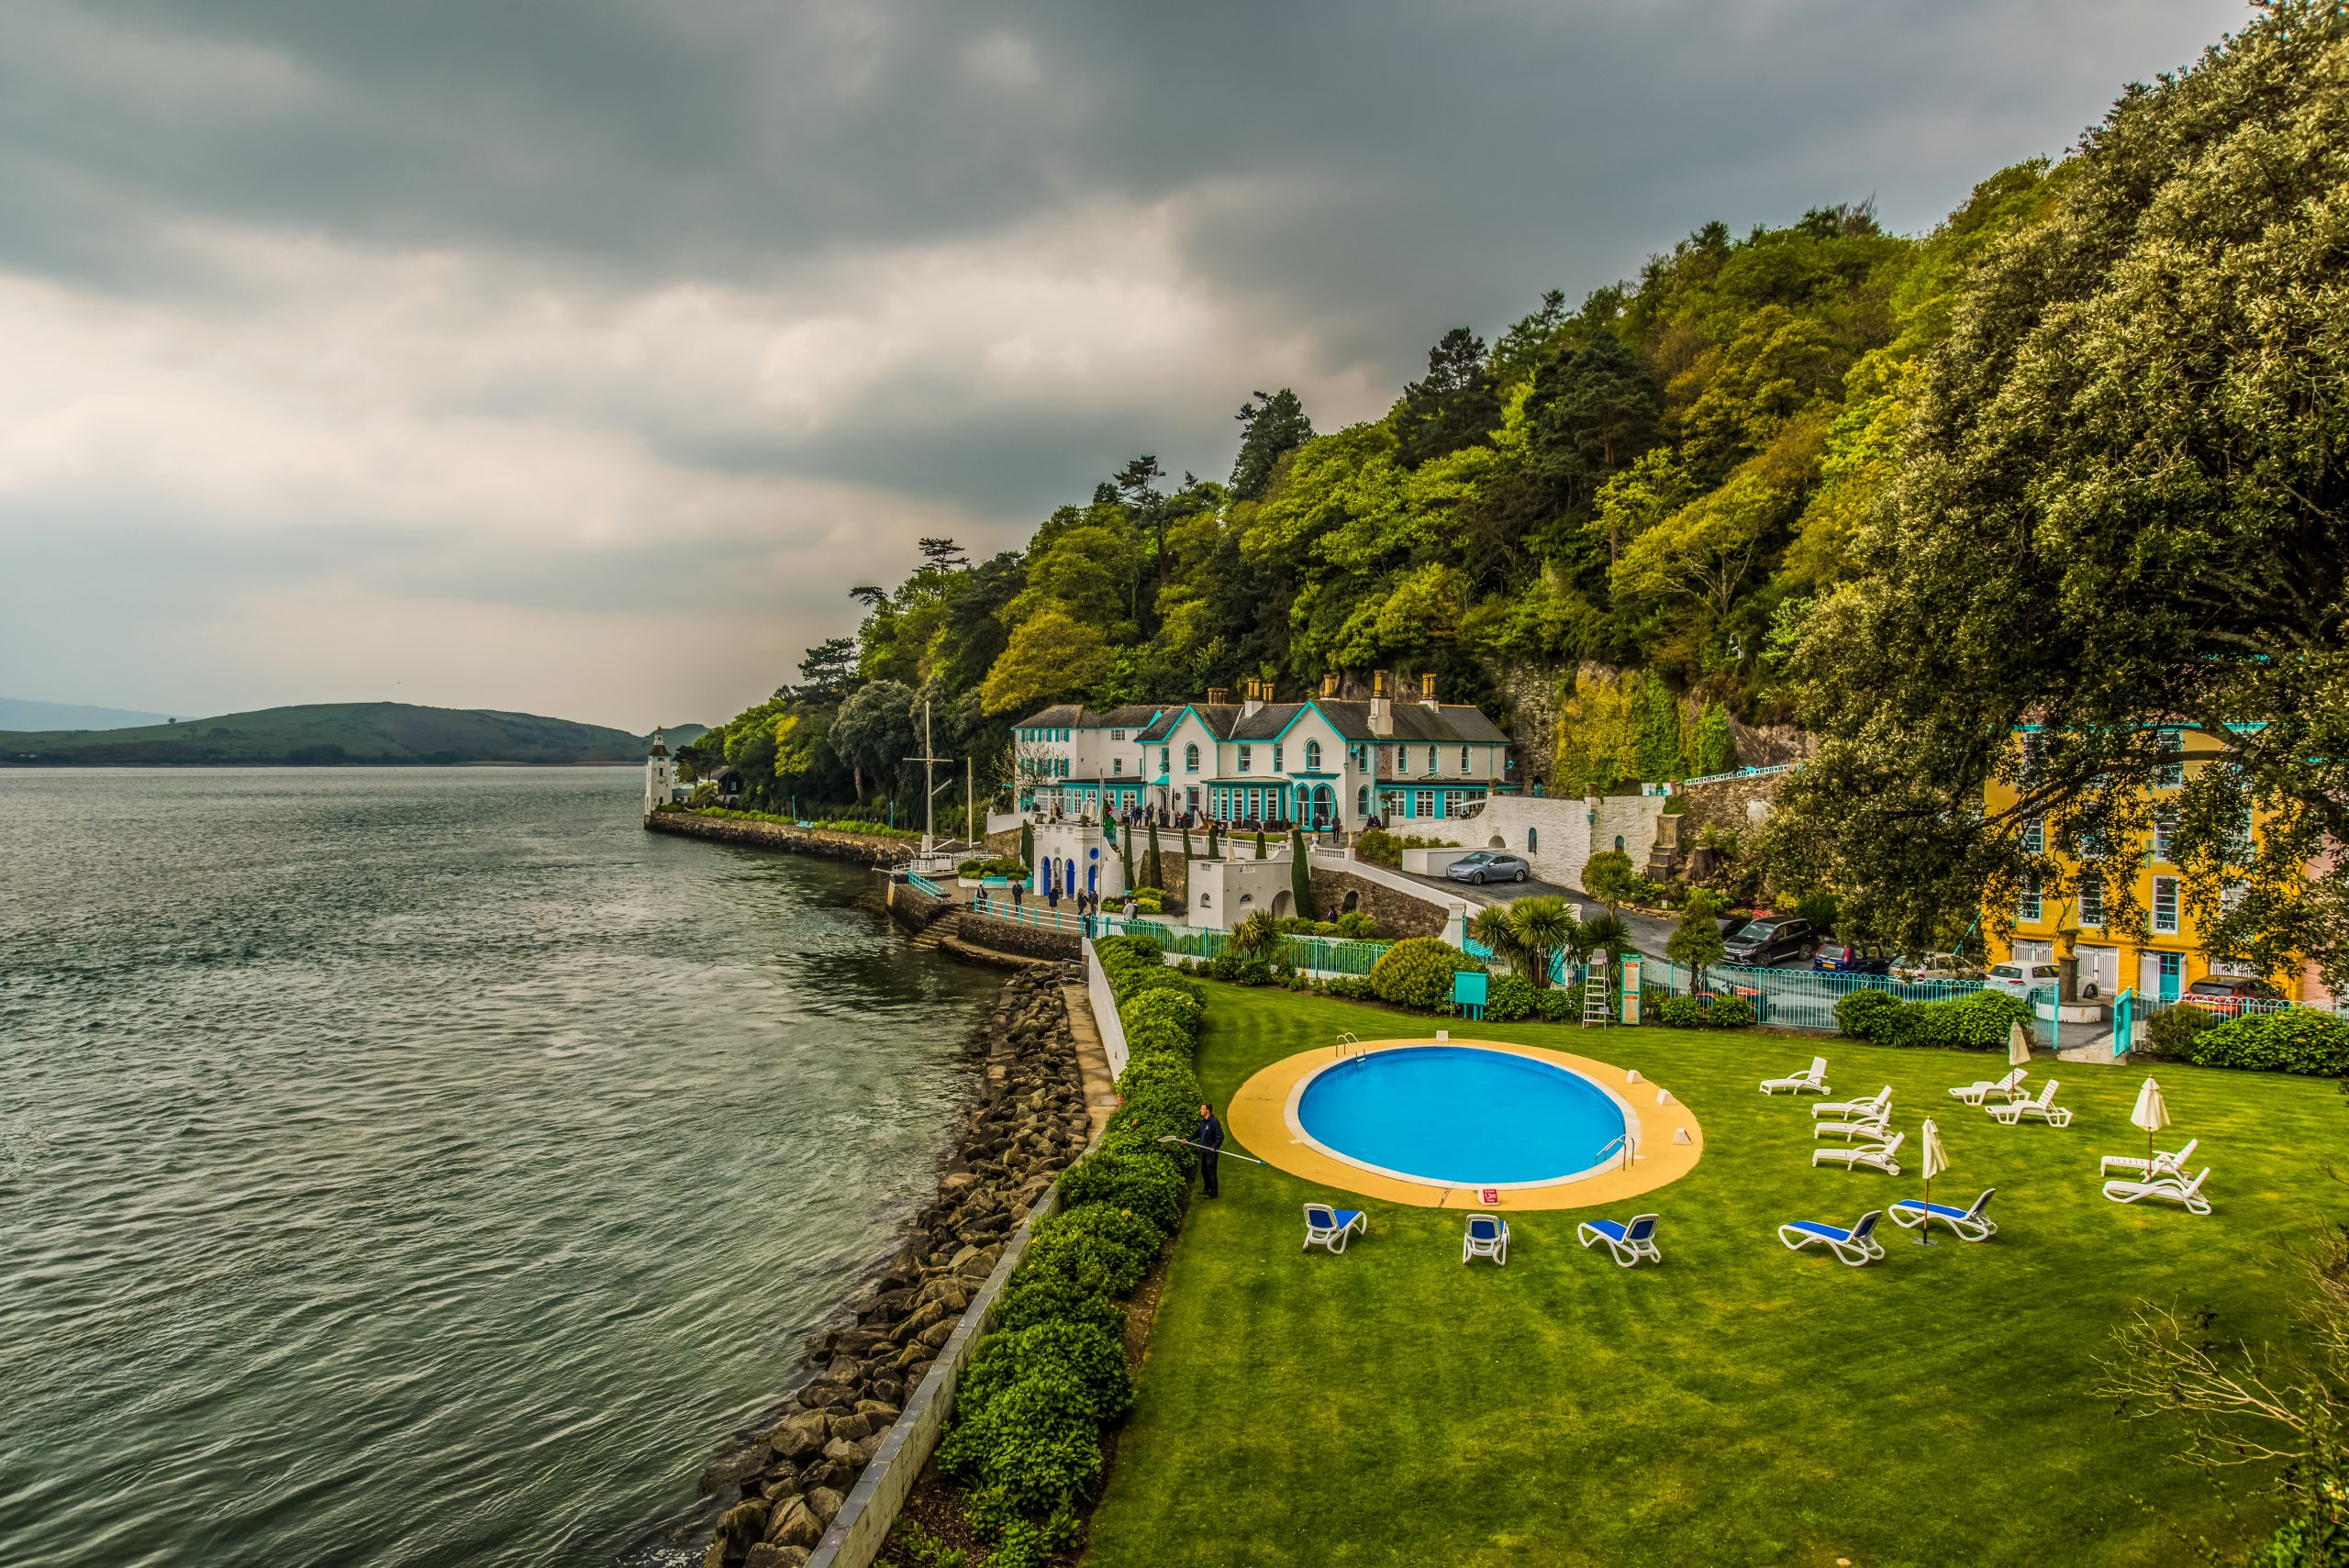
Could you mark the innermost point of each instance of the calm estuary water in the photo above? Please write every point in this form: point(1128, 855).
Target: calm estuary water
point(423, 1166)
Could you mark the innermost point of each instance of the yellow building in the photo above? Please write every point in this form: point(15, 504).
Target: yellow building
point(2168, 958)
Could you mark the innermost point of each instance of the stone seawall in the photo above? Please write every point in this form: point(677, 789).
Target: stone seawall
point(1398, 914)
point(781, 1486)
point(1009, 936)
point(858, 849)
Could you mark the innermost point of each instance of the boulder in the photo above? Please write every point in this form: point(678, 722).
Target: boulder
point(824, 1503)
point(767, 1555)
point(880, 1411)
point(800, 1436)
point(744, 1523)
point(733, 1469)
point(840, 1450)
point(936, 1335)
point(795, 1524)
point(855, 1425)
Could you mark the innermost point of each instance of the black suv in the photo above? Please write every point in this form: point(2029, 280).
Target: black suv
point(1774, 941)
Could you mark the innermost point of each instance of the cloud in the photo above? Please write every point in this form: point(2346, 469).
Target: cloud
point(577, 355)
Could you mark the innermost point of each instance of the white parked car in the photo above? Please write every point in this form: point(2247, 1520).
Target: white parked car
point(2020, 980)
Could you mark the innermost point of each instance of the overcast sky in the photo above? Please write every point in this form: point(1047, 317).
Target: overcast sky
point(576, 356)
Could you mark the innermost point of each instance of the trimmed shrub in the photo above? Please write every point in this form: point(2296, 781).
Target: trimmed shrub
point(1096, 1247)
point(1148, 1182)
point(1183, 1009)
point(1355, 923)
point(1979, 1022)
point(1417, 972)
point(1866, 1015)
point(2298, 1039)
point(2169, 1034)
point(1558, 1006)
point(1511, 997)
point(1033, 1297)
point(1680, 1013)
point(1730, 1013)
point(1036, 1446)
point(1093, 1356)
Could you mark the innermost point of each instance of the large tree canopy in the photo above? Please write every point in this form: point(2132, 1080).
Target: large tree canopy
point(2119, 506)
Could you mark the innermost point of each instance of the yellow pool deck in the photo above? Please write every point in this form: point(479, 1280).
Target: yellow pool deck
point(1259, 1123)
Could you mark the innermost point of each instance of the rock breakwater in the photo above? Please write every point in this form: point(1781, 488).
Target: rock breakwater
point(1026, 1121)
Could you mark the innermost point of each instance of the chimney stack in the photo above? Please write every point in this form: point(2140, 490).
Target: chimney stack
point(1329, 684)
point(1382, 707)
point(1219, 696)
point(1257, 691)
point(1426, 689)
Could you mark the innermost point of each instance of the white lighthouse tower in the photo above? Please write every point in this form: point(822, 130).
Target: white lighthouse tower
point(658, 774)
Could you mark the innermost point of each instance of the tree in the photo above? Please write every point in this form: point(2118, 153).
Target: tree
point(869, 596)
point(1607, 877)
point(2118, 510)
point(1457, 405)
point(1028, 844)
point(1259, 845)
point(1049, 656)
point(829, 668)
point(1658, 720)
point(1697, 942)
point(1154, 870)
point(873, 731)
point(1301, 875)
point(944, 555)
point(1272, 426)
point(1492, 928)
point(1125, 842)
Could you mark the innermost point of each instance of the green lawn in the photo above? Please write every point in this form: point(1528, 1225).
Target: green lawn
point(1740, 1405)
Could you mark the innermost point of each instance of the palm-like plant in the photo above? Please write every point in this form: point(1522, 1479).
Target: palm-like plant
point(1604, 932)
point(1543, 925)
point(1256, 936)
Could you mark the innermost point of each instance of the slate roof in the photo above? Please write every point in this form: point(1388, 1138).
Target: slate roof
point(1456, 722)
point(1451, 723)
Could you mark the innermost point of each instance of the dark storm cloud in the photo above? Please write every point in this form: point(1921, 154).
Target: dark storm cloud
point(895, 262)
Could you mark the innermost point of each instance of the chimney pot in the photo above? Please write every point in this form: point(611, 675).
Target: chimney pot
point(1219, 696)
point(1329, 684)
point(1427, 687)
point(1378, 683)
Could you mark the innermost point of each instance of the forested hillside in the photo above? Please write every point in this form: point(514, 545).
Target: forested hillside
point(326, 734)
point(1614, 513)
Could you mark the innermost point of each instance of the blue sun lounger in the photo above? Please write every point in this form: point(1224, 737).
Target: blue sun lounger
point(1856, 1246)
point(1327, 1227)
point(1630, 1243)
point(1487, 1237)
point(1970, 1223)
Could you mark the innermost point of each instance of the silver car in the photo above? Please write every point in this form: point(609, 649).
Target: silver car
point(1481, 866)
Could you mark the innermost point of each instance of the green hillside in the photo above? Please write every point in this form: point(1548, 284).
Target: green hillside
point(325, 734)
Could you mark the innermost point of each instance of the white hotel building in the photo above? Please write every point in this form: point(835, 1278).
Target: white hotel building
point(1327, 762)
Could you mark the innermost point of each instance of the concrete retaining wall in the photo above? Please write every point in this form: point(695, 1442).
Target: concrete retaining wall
point(1104, 1002)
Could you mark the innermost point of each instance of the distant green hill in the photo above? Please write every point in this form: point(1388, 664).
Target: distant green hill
point(325, 734)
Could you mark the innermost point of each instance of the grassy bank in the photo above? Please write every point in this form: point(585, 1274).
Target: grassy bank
point(1739, 1405)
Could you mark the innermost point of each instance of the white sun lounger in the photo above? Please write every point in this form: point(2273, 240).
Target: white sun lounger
point(1971, 1224)
point(1985, 1089)
point(1856, 1246)
point(2162, 1163)
point(2173, 1189)
point(1328, 1228)
point(1876, 1131)
point(2041, 1107)
point(1487, 1237)
point(1812, 1081)
point(1630, 1243)
point(1872, 1109)
point(1870, 1157)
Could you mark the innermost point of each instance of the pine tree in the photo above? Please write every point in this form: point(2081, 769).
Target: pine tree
point(1301, 875)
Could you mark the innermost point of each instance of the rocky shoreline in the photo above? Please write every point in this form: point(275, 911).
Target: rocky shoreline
point(858, 849)
point(1026, 1121)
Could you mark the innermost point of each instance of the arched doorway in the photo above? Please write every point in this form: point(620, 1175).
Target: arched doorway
point(1284, 906)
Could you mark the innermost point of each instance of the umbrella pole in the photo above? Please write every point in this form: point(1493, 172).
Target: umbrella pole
point(1925, 1222)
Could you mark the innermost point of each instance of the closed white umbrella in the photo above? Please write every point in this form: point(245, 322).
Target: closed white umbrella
point(1936, 1162)
point(2018, 1046)
point(2152, 1113)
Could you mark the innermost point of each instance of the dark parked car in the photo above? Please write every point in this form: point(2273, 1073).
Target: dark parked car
point(1488, 865)
point(1852, 958)
point(2229, 995)
point(1775, 941)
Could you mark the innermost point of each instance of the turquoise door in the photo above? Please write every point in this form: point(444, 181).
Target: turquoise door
point(2171, 966)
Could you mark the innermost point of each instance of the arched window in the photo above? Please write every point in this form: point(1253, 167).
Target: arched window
point(1532, 839)
point(1191, 758)
point(1313, 756)
point(1362, 801)
point(1463, 759)
point(1618, 841)
point(1432, 762)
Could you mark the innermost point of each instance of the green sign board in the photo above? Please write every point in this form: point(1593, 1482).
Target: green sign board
point(1468, 988)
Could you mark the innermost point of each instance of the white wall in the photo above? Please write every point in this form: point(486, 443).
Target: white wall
point(1224, 893)
point(1558, 835)
point(1084, 845)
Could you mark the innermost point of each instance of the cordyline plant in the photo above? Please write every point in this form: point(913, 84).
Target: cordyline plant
point(2120, 511)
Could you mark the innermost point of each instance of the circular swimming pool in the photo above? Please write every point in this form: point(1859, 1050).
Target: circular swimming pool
point(1459, 1116)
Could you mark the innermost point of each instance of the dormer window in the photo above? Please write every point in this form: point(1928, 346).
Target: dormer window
point(1313, 756)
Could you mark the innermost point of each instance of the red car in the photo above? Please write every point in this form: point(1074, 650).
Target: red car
point(2229, 995)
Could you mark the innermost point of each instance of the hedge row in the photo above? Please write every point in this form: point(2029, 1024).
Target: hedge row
point(1050, 1373)
point(1703, 1012)
point(2298, 1039)
point(1979, 1022)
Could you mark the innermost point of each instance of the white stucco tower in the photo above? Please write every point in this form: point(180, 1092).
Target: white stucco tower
point(659, 773)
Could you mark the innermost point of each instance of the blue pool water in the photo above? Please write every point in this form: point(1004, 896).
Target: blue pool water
point(1461, 1115)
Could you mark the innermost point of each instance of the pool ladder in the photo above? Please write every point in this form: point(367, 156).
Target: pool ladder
point(1627, 1144)
point(1349, 1044)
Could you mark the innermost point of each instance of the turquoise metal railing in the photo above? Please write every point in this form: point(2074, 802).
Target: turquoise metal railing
point(923, 886)
point(1796, 998)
